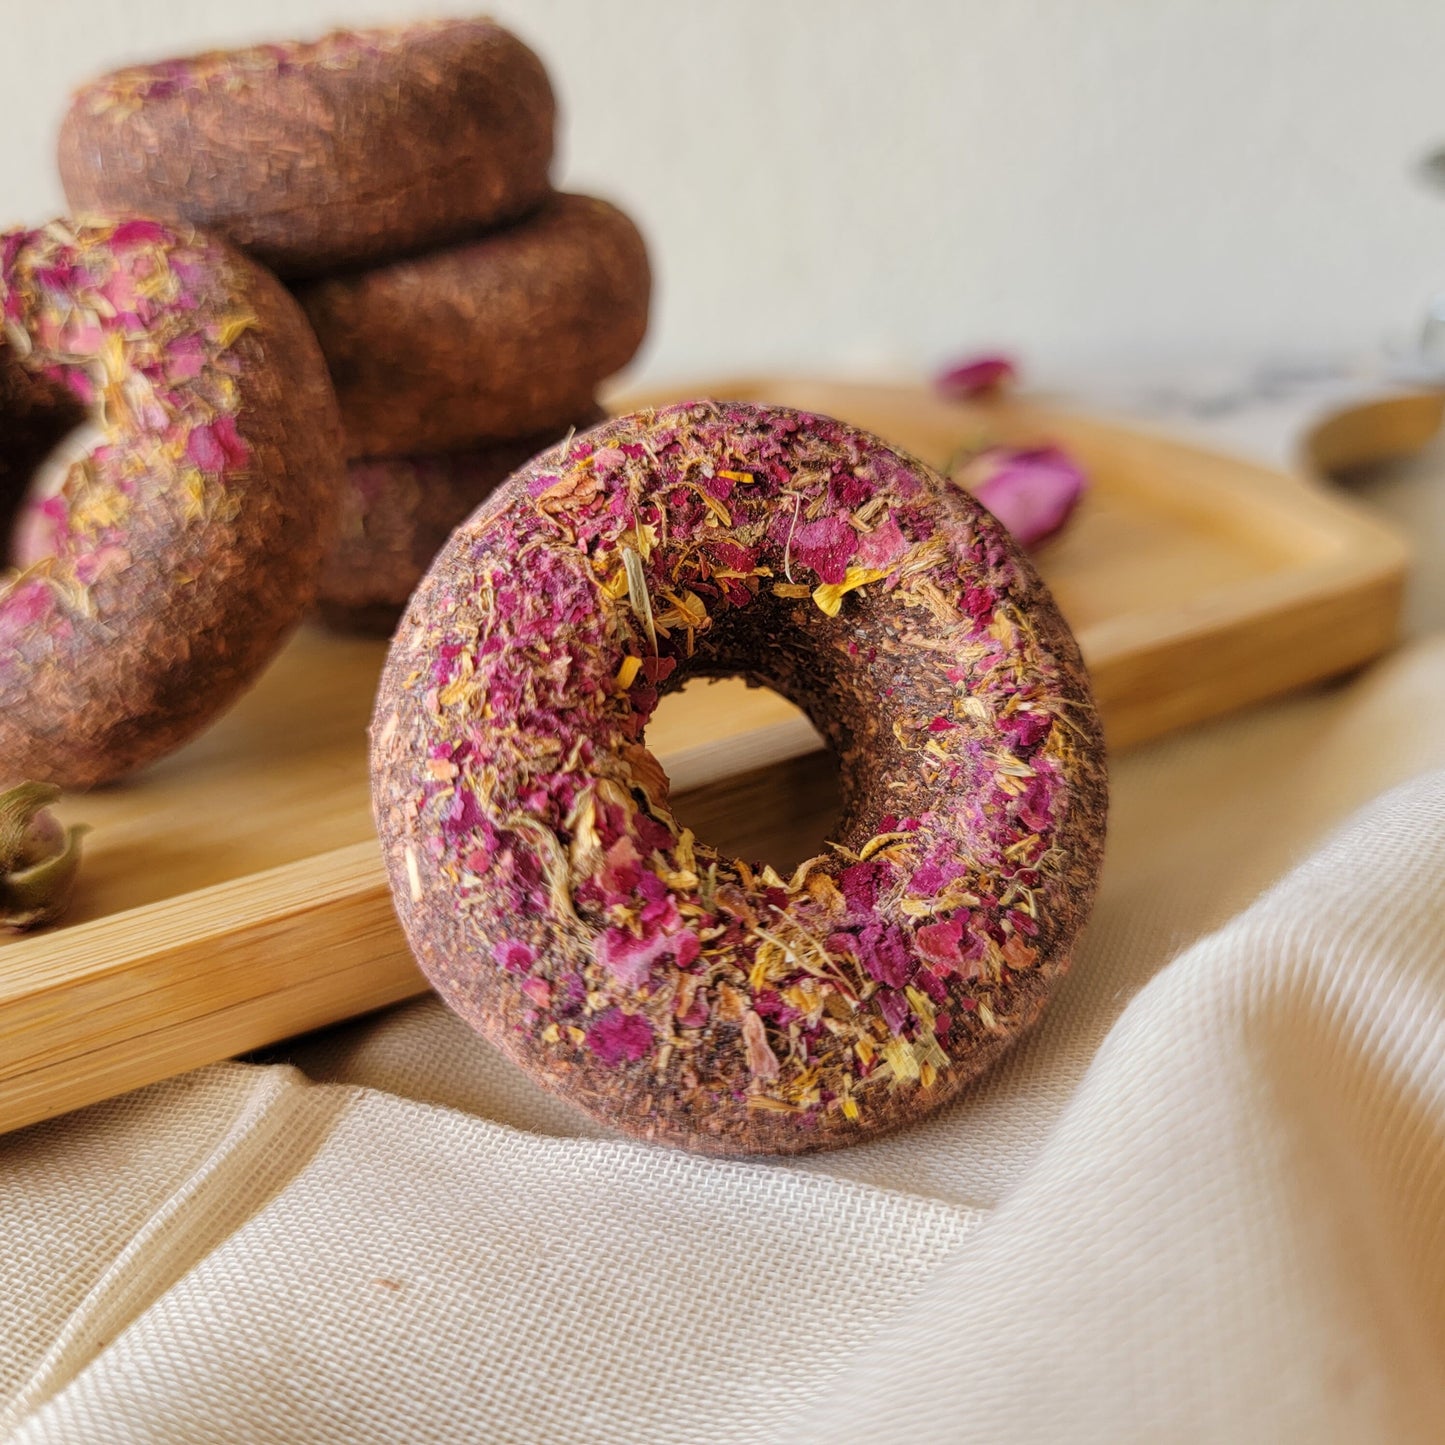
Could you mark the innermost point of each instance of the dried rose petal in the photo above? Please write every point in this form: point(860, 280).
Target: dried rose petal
point(977, 376)
point(38, 858)
point(619, 1037)
point(1031, 491)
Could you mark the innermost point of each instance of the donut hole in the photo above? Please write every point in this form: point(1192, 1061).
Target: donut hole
point(43, 428)
point(781, 810)
point(821, 670)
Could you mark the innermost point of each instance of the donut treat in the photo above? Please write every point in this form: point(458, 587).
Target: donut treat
point(504, 336)
point(558, 905)
point(396, 514)
point(178, 539)
point(346, 150)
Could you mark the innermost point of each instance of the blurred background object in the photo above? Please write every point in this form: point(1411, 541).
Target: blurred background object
point(834, 183)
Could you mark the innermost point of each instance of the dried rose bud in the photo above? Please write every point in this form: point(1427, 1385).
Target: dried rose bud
point(38, 858)
point(1032, 491)
point(978, 376)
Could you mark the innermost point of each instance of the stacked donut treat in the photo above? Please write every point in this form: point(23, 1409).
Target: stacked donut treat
point(397, 180)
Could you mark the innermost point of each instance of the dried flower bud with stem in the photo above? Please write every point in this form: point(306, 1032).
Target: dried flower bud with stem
point(38, 857)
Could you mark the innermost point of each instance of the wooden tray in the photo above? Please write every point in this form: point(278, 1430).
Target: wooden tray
point(233, 896)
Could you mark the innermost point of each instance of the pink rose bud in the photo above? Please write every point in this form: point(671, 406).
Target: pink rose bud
point(1031, 491)
point(977, 376)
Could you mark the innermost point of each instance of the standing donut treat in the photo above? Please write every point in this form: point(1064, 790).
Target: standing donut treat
point(559, 906)
point(504, 336)
point(358, 146)
point(180, 539)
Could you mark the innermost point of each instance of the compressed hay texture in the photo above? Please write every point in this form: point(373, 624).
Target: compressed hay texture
point(396, 514)
point(344, 151)
point(561, 909)
point(505, 336)
point(181, 542)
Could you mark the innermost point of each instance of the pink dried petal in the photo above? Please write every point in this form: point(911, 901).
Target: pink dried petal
point(539, 991)
point(107, 559)
point(185, 358)
point(205, 450)
point(729, 555)
point(617, 1036)
point(977, 376)
point(1027, 729)
point(939, 942)
point(860, 883)
point(894, 1008)
point(934, 875)
point(1032, 492)
point(932, 985)
point(883, 546)
point(24, 606)
point(884, 953)
point(1036, 806)
point(762, 1061)
point(139, 233)
point(228, 438)
point(513, 955)
point(826, 546)
point(629, 959)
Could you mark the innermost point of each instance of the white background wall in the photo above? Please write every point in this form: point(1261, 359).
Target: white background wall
point(859, 183)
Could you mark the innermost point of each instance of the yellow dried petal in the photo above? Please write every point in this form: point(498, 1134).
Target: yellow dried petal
point(829, 596)
point(631, 666)
point(691, 609)
point(825, 893)
point(899, 1054)
point(455, 692)
point(768, 959)
point(715, 507)
point(112, 356)
point(790, 589)
point(642, 539)
point(585, 851)
point(234, 327)
point(879, 843)
point(922, 1005)
point(771, 1106)
point(1002, 629)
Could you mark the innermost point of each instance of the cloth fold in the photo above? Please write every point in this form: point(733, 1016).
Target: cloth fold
point(1237, 1231)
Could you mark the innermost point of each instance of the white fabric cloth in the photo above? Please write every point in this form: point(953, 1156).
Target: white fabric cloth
point(1205, 1201)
